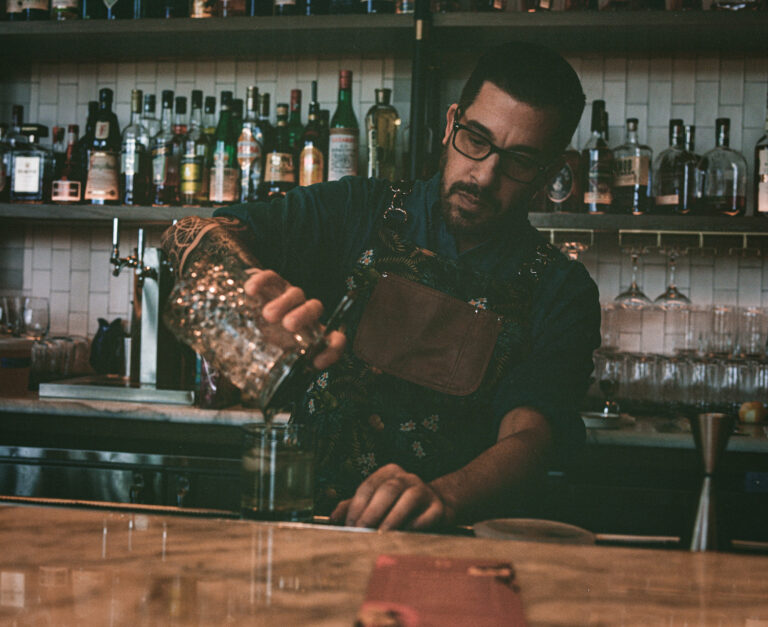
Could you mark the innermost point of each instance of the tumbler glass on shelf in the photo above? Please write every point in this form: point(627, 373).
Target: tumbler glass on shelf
point(722, 337)
point(752, 328)
point(36, 318)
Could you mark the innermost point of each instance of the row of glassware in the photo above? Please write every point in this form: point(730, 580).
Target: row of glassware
point(637, 381)
point(24, 316)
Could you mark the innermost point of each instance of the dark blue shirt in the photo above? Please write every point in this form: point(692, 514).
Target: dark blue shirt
point(314, 235)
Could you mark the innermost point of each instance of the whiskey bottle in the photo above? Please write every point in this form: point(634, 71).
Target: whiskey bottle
point(165, 159)
point(66, 188)
point(279, 167)
point(381, 124)
point(82, 146)
point(135, 161)
point(103, 182)
point(225, 174)
point(180, 117)
point(311, 158)
point(31, 167)
point(249, 153)
point(563, 193)
point(149, 119)
point(195, 157)
point(761, 172)
point(674, 175)
point(295, 127)
point(65, 10)
point(267, 130)
point(721, 174)
point(344, 133)
point(632, 174)
point(597, 164)
point(59, 149)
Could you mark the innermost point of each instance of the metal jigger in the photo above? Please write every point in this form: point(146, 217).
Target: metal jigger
point(710, 433)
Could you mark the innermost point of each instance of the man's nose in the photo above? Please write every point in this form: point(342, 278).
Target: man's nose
point(486, 171)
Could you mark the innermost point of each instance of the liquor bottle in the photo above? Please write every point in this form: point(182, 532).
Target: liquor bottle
point(325, 127)
point(224, 171)
point(66, 188)
point(149, 119)
point(597, 164)
point(82, 146)
point(267, 130)
point(690, 140)
point(231, 8)
point(25, 10)
point(15, 135)
point(761, 172)
point(5, 155)
point(311, 158)
point(295, 127)
point(564, 193)
point(249, 148)
point(65, 10)
point(165, 161)
point(209, 117)
point(632, 174)
point(180, 116)
point(674, 175)
point(721, 175)
point(202, 8)
point(279, 168)
point(135, 161)
point(344, 134)
point(103, 182)
point(381, 124)
point(237, 116)
point(377, 6)
point(31, 167)
point(195, 157)
point(59, 149)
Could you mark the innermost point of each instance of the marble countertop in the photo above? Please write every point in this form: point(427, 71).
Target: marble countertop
point(65, 566)
point(652, 432)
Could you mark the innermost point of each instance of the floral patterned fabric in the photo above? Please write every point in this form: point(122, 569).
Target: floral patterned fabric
point(363, 419)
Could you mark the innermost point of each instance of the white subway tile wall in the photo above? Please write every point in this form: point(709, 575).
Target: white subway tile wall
point(70, 264)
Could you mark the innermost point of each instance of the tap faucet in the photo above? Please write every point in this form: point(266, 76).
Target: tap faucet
point(136, 260)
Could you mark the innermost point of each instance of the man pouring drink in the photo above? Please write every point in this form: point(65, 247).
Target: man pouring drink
point(468, 345)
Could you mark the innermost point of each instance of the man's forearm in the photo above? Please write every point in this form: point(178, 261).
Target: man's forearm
point(217, 240)
point(480, 488)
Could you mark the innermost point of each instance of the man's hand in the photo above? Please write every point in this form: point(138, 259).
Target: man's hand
point(289, 305)
point(392, 498)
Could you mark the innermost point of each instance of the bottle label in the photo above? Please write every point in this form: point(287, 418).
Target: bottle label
point(761, 172)
point(283, 3)
point(342, 153)
point(66, 191)
point(102, 176)
point(40, 5)
point(191, 174)
point(202, 8)
point(129, 160)
point(668, 199)
point(223, 180)
point(63, 4)
point(102, 130)
point(311, 166)
point(631, 171)
point(561, 188)
point(248, 149)
point(599, 180)
point(279, 168)
point(160, 159)
point(26, 175)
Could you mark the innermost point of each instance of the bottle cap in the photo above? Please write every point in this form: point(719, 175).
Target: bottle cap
point(106, 95)
point(383, 95)
point(210, 104)
point(167, 98)
point(197, 99)
point(136, 96)
point(345, 79)
point(181, 105)
point(73, 128)
point(295, 99)
point(150, 102)
point(226, 99)
point(598, 108)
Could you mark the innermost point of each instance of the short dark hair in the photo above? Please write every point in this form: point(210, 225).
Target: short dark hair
point(535, 75)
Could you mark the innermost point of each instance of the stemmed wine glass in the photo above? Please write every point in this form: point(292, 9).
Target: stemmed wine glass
point(633, 297)
point(672, 298)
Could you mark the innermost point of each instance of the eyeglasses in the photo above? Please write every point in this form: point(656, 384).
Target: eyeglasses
point(514, 165)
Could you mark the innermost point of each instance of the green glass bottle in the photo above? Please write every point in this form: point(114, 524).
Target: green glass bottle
point(224, 171)
point(344, 133)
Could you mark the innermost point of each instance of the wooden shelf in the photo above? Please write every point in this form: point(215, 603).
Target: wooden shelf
point(248, 37)
point(559, 221)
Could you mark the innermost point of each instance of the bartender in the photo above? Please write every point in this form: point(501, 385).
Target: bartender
point(469, 344)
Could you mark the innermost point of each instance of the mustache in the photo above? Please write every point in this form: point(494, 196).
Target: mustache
point(484, 196)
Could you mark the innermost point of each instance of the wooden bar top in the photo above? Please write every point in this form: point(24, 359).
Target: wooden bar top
point(62, 566)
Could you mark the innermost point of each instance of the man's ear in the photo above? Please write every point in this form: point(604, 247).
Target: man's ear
point(450, 116)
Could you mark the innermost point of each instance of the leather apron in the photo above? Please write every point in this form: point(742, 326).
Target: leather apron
point(431, 339)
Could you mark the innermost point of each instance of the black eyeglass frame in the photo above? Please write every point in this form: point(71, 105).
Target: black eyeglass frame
point(492, 148)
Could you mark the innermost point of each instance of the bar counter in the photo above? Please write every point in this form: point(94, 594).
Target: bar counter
point(64, 566)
